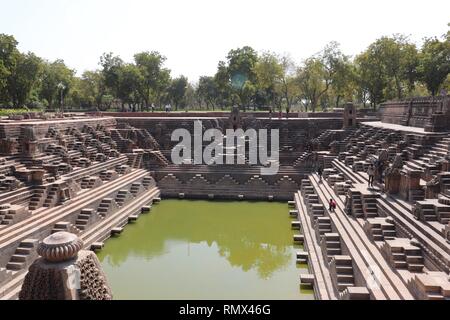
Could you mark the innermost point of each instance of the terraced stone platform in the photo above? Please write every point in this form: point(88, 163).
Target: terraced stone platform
point(91, 175)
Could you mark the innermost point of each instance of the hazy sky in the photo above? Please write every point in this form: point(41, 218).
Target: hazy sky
point(195, 34)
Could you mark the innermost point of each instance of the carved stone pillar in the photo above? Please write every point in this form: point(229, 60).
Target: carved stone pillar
point(392, 182)
point(349, 115)
point(64, 272)
point(37, 176)
point(446, 165)
point(409, 180)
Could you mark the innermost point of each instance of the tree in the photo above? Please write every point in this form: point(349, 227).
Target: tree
point(155, 78)
point(329, 69)
point(111, 66)
point(128, 85)
point(222, 80)
point(289, 86)
point(89, 90)
point(208, 91)
point(388, 68)
point(241, 71)
point(269, 74)
point(8, 58)
point(53, 74)
point(313, 82)
point(399, 59)
point(177, 91)
point(434, 63)
point(23, 78)
point(371, 77)
point(18, 72)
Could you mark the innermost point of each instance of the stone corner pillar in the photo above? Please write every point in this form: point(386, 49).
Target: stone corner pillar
point(349, 116)
point(410, 180)
point(65, 272)
point(392, 182)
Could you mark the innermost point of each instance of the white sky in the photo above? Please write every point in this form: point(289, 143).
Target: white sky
point(195, 34)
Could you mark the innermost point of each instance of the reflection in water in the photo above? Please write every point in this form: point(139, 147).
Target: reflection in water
point(205, 250)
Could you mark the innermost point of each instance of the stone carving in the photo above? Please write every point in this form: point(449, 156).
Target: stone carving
point(28, 133)
point(392, 175)
point(8, 146)
point(93, 284)
point(235, 121)
point(383, 156)
point(60, 247)
point(433, 188)
point(334, 148)
point(64, 272)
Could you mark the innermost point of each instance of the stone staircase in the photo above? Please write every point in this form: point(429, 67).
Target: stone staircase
point(24, 255)
point(403, 254)
point(66, 227)
point(106, 206)
point(86, 218)
point(430, 286)
point(136, 188)
point(331, 246)
point(355, 293)
point(52, 196)
point(341, 270)
point(108, 175)
point(90, 182)
point(122, 197)
point(38, 198)
point(380, 229)
point(369, 204)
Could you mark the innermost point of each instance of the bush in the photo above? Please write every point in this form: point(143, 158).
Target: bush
point(7, 112)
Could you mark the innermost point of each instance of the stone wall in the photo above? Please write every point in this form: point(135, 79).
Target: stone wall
point(430, 113)
point(229, 186)
point(216, 114)
point(293, 132)
point(13, 128)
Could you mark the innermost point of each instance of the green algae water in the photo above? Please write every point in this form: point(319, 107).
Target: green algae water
point(206, 250)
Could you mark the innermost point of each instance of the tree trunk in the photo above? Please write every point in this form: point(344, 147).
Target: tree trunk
point(338, 99)
point(399, 88)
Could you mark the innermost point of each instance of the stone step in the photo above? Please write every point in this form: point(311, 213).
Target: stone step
point(344, 269)
point(15, 266)
point(23, 251)
point(332, 237)
point(414, 259)
point(400, 264)
point(344, 286)
point(345, 278)
point(29, 243)
point(333, 251)
point(18, 258)
point(333, 244)
point(343, 260)
point(415, 267)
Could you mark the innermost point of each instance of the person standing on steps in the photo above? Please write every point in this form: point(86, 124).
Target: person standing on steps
point(371, 173)
point(320, 172)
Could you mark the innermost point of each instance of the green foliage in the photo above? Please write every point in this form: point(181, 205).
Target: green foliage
point(435, 63)
point(56, 82)
point(155, 79)
point(177, 92)
point(10, 112)
point(390, 68)
point(208, 91)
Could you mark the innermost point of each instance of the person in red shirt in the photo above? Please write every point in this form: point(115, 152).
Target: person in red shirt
point(332, 205)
